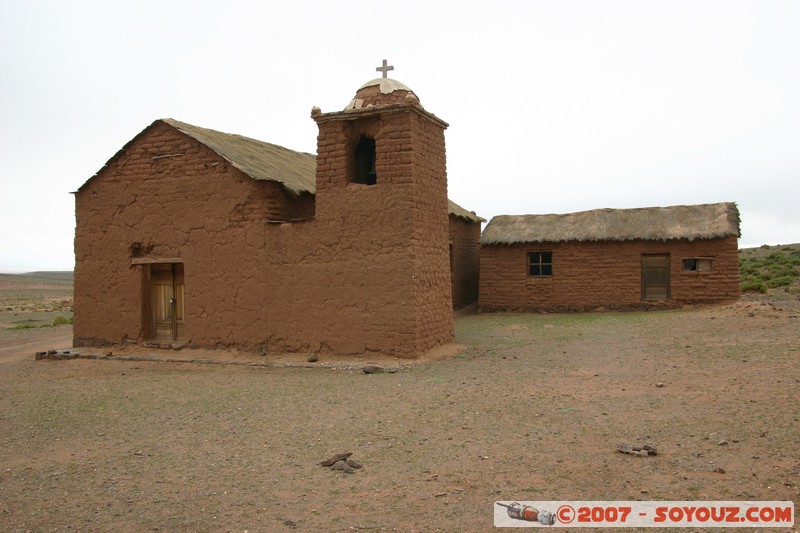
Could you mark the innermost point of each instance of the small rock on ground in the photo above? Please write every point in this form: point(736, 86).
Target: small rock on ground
point(336, 458)
point(343, 466)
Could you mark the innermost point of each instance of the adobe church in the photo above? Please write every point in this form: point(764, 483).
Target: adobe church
point(192, 236)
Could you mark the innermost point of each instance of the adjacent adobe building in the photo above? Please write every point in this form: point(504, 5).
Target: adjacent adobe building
point(194, 236)
point(610, 258)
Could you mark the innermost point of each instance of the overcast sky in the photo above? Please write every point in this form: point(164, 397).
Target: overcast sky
point(553, 106)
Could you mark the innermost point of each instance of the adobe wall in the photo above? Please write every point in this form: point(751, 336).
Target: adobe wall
point(349, 281)
point(431, 236)
point(176, 199)
point(465, 260)
point(368, 273)
point(589, 275)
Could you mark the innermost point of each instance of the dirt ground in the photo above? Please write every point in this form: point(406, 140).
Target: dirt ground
point(529, 407)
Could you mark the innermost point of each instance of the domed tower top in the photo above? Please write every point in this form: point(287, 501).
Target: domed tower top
point(382, 92)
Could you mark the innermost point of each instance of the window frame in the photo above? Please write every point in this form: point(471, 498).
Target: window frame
point(541, 263)
point(696, 266)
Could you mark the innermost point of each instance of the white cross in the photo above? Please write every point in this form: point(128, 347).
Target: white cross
point(384, 68)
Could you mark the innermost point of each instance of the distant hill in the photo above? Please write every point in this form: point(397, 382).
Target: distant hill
point(64, 275)
point(59, 278)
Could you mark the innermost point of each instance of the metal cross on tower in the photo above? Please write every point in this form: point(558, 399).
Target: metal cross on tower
point(385, 68)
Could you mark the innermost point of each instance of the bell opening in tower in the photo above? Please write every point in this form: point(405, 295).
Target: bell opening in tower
point(365, 162)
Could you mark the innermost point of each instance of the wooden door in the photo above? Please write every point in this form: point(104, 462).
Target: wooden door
point(167, 301)
point(655, 277)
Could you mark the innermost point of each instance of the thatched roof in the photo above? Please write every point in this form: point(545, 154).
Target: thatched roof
point(458, 211)
point(260, 160)
point(706, 221)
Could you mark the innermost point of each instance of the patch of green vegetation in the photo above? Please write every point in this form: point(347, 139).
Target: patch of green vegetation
point(61, 320)
point(753, 285)
point(759, 272)
point(30, 325)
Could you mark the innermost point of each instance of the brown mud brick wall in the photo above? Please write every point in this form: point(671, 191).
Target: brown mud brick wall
point(465, 260)
point(590, 275)
point(371, 272)
point(191, 205)
point(360, 269)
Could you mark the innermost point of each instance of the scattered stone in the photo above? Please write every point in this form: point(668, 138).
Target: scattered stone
point(313, 358)
point(56, 355)
point(440, 494)
point(723, 442)
point(660, 384)
point(649, 448)
point(290, 523)
point(343, 462)
point(641, 451)
point(336, 458)
point(372, 369)
point(719, 470)
point(343, 466)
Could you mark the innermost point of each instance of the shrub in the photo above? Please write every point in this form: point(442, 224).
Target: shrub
point(778, 269)
point(59, 320)
point(782, 281)
point(752, 285)
point(776, 257)
point(782, 270)
point(748, 271)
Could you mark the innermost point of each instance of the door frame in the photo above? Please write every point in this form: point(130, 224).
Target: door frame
point(666, 266)
point(149, 328)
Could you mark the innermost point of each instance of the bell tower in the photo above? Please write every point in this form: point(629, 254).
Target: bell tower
point(382, 216)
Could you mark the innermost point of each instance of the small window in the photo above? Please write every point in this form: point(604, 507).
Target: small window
point(696, 265)
point(540, 264)
point(365, 162)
